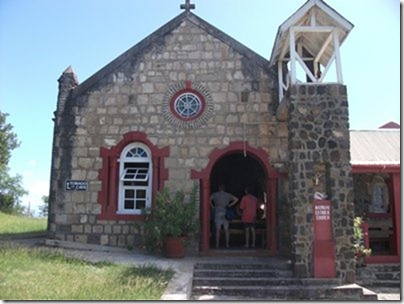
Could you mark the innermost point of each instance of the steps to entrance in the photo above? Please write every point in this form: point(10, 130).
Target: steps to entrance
point(265, 279)
point(383, 277)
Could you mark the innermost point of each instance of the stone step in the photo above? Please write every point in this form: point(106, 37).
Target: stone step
point(262, 281)
point(284, 265)
point(266, 280)
point(380, 283)
point(243, 273)
point(379, 276)
point(381, 272)
point(290, 292)
point(381, 267)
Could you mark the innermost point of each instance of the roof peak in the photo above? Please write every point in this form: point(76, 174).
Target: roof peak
point(69, 70)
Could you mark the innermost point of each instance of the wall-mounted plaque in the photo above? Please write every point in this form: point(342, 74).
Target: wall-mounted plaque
point(76, 185)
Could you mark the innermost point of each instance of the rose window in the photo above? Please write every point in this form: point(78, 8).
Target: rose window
point(187, 105)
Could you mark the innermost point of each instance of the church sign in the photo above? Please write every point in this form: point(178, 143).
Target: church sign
point(76, 185)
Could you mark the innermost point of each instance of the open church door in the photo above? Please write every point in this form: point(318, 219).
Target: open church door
point(237, 171)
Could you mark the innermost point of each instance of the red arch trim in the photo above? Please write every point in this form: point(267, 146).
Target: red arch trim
point(236, 147)
point(108, 174)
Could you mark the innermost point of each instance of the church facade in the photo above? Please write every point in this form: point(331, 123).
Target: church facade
point(189, 106)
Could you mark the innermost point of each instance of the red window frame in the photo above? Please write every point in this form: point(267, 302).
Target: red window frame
point(109, 175)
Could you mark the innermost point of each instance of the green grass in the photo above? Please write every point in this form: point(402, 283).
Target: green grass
point(17, 224)
point(44, 274)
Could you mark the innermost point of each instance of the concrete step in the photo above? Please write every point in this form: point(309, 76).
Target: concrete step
point(266, 280)
point(290, 292)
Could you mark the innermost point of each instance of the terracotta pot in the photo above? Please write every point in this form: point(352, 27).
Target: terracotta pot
point(174, 247)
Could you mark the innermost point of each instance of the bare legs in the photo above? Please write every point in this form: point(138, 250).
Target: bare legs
point(218, 235)
point(226, 234)
point(247, 236)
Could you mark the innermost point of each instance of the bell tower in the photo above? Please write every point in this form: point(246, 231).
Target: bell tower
point(313, 102)
point(307, 46)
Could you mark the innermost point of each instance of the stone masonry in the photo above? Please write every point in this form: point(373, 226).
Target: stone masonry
point(319, 160)
point(128, 96)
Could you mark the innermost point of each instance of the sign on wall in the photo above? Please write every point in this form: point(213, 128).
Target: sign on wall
point(76, 185)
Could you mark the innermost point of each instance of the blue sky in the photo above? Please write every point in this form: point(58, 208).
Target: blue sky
point(39, 39)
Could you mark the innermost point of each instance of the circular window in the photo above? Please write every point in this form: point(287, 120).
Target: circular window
point(187, 105)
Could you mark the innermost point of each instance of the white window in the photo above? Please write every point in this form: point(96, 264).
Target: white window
point(135, 179)
point(135, 174)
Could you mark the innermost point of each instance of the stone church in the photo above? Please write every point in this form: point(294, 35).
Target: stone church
point(190, 106)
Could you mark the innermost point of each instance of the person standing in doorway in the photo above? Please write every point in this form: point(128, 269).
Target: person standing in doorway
point(221, 200)
point(249, 205)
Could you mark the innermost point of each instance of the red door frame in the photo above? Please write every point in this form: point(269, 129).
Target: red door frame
point(204, 178)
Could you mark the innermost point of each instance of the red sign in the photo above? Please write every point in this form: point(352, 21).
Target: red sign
point(323, 246)
point(322, 220)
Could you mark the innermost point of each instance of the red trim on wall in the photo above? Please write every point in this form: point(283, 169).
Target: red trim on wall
point(375, 168)
point(259, 155)
point(108, 175)
point(188, 84)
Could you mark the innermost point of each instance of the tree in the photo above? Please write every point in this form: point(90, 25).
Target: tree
point(43, 210)
point(8, 140)
point(11, 189)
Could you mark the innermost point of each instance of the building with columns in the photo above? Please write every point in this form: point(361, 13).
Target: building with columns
point(190, 106)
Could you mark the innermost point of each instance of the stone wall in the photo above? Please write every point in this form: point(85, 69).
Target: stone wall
point(319, 160)
point(131, 98)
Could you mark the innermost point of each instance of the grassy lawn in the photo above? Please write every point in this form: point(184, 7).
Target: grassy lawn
point(44, 274)
point(16, 224)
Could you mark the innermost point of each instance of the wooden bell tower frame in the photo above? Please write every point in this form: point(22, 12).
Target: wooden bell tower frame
point(311, 37)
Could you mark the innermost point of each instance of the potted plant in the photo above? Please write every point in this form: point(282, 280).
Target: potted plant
point(169, 222)
point(359, 246)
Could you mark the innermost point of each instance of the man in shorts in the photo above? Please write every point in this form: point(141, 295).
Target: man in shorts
point(221, 200)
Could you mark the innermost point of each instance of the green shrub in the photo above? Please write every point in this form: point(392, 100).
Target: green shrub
point(359, 245)
point(170, 215)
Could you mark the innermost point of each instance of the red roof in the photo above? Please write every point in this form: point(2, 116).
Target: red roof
point(390, 125)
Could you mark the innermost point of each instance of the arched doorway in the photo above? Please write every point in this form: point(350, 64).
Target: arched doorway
point(219, 159)
point(237, 171)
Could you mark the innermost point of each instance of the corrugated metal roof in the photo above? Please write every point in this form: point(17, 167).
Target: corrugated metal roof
point(375, 147)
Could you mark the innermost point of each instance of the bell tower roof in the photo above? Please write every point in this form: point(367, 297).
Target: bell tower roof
point(314, 13)
point(307, 44)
